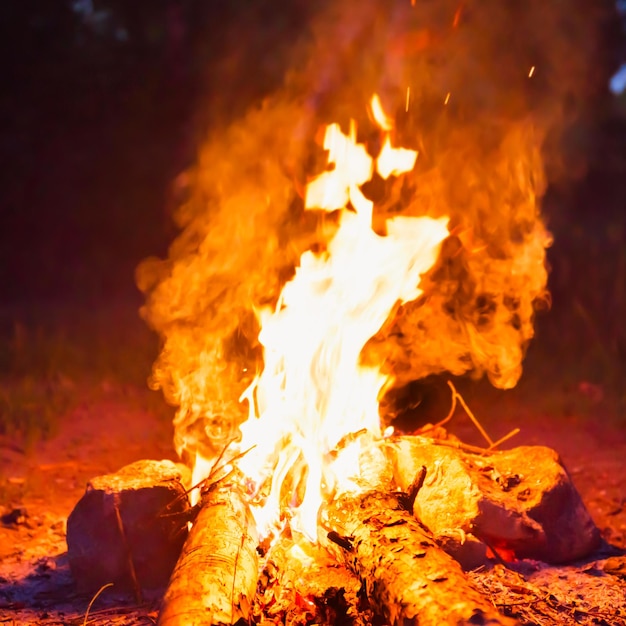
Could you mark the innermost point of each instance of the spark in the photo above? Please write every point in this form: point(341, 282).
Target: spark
point(386, 123)
point(531, 72)
point(447, 98)
point(408, 98)
point(457, 16)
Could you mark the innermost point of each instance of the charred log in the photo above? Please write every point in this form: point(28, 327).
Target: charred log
point(214, 581)
point(408, 578)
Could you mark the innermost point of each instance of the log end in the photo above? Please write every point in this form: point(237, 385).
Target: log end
point(129, 527)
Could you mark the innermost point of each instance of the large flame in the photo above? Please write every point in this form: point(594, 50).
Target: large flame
point(313, 391)
point(454, 83)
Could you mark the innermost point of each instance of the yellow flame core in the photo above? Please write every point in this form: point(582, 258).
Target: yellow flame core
point(312, 391)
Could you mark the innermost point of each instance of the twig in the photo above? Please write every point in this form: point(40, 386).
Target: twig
point(478, 425)
point(201, 484)
point(456, 396)
point(494, 551)
point(414, 488)
point(94, 599)
point(466, 447)
point(117, 611)
point(215, 469)
point(340, 540)
point(446, 419)
point(220, 456)
point(500, 441)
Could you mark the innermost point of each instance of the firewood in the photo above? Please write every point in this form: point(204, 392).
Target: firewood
point(129, 527)
point(368, 525)
point(521, 500)
point(214, 581)
point(408, 578)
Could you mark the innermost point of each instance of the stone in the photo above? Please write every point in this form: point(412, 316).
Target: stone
point(134, 519)
point(520, 500)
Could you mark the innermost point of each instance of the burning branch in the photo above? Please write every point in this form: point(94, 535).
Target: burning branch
point(407, 577)
point(214, 581)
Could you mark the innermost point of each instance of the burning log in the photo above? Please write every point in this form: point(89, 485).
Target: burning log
point(215, 578)
point(303, 584)
point(408, 578)
point(521, 499)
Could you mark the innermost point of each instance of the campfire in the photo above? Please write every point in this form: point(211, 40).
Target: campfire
point(314, 279)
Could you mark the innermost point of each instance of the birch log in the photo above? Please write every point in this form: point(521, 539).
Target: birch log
point(408, 578)
point(214, 581)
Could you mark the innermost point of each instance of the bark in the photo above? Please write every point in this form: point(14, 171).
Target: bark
point(214, 581)
point(129, 527)
point(408, 578)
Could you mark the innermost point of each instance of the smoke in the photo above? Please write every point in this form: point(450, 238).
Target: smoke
point(476, 87)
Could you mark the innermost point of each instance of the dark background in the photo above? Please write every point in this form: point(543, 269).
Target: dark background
point(100, 111)
point(103, 104)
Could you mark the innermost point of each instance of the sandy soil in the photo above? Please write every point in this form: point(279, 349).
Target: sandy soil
point(116, 426)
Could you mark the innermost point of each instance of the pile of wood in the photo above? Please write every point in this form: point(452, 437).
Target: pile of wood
point(395, 550)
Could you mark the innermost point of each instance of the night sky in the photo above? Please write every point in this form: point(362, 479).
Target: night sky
point(102, 107)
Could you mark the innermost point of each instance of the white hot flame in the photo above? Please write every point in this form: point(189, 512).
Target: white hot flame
point(312, 390)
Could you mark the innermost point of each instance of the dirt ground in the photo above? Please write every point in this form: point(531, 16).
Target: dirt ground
point(116, 426)
point(109, 429)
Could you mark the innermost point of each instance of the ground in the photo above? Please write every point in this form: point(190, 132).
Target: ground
point(106, 431)
point(110, 422)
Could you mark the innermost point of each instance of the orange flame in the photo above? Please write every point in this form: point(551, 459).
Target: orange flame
point(312, 391)
point(243, 230)
point(386, 123)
